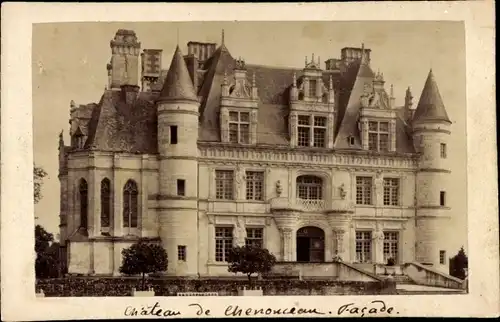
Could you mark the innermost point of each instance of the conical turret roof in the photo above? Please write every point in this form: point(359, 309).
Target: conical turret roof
point(178, 84)
point(430, 106)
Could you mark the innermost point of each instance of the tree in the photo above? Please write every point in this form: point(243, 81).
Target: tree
point(47, 254)
point(38, 175)
point(143, 258)
point(250, 259)
point(459, 264)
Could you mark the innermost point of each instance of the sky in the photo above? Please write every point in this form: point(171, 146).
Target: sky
point(69, 63)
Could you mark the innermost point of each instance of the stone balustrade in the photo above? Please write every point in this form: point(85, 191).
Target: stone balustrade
point(305, 205)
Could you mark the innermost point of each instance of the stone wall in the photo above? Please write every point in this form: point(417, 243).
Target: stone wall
point(86, 286)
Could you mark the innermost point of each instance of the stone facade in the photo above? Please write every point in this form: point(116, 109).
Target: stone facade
point(364, 205)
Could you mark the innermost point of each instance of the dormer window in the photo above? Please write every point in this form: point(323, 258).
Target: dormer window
point(314, 127)
point(378, 136)
point(312, 87)
point(239, 127)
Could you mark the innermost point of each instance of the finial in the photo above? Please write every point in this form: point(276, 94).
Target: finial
point(225, 77)
point(222, 40)
point(61, 134)
point(312, 58)
point(330, 86)
point(306, 60)
point(177, 36)
point(392, 90)
point(253, 79)
point(294, 79)
point(319, 61)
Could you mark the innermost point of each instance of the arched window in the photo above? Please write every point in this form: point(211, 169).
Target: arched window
point(309, 188)
point(105, 203)
point(130, 206)
point(84, 201)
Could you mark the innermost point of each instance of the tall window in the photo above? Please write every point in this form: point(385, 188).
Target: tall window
point(84, 202)
point(391, 242)
point(255, 237)
point(181, 187)
point(316, 129)
point(363, 246)
point(310, 188)
point(443, 150)
point(239, 127)
point(130, 204)
point(173, 134)
point(224, 184)
point(105, 202)
point(181, 253)
point(391, 191)
point(255, 185)
point(442, 257)
point(442, 198)
point(304, 130)
point(312, 87)
point(378, 136)
point(223, 243)
point(319, 132)
point(363, 190)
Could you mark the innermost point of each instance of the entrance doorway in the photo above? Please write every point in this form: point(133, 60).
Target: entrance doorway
point(310, 244)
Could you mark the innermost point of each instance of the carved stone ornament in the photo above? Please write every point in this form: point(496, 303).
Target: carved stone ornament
point(279, 188)
point(342, 190)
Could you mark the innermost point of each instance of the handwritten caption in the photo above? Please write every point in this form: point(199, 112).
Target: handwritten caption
point(374, 308)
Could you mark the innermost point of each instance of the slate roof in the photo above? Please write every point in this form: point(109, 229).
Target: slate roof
point(178, 84)
point(120, 127)
point(430, 106)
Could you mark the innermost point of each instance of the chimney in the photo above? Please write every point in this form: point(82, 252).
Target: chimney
point(351, 54)
point(129, 93)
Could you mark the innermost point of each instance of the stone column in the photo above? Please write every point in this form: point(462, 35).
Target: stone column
point(293, 129)
point(330, 125)
point(340, 249)
point(240, 183)
point(93, 198)
point(392, 131)
point(241, 233)
point(378, 245)
point(253, 127)
point(287, 244)
point(224, 124)
point(143, 206)
point(364, 133)
point(117, 200)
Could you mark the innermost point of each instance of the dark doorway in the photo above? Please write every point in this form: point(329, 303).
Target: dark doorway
point(310, 245)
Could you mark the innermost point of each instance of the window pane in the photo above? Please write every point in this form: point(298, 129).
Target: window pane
point(372, 142)
point(384, 142)
point(372, 126)
point(233, 132)
point(320, 121)
point(224, 184)
point(304, 120)
point(244, 133)
point(233, 116)
point(384, 127)
point(319, 137)
point(254, 185)
point(245, 117)
point(303, 136)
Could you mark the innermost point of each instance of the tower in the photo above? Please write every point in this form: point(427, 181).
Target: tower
point(431, 134)
point(177, 107)
point(124, 66)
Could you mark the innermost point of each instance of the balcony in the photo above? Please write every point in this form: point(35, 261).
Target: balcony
point(305, 205)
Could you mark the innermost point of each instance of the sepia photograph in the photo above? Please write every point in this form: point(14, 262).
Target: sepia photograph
point(221, 159)
point(250, 158)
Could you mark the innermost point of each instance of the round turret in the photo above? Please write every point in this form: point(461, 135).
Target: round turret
point(431, 134)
